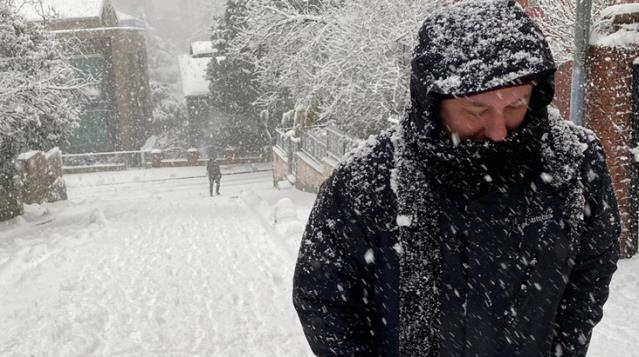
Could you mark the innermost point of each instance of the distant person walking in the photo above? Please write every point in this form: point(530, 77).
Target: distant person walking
point(213, 170)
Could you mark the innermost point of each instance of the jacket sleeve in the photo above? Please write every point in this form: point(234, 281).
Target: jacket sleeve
point(327, 286)
point(587, 289)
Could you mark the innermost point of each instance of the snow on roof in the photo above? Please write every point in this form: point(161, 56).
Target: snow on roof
point(124, 16)
point(193, 71)
point(607, 34)
point(623, 38)
point(26, 156)
point(202, 48)
point(620, 9)
point(53, 152)
point(63, 9)
point(126, 20)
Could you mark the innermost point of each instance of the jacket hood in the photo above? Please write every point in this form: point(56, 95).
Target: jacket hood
point(478, 45)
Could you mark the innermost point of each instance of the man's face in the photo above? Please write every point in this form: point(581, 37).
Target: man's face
point(486, 116)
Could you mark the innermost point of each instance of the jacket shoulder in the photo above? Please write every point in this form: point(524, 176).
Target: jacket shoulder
point(369, 163)
point(572, 149)
point(363, 177)
point(594, 169)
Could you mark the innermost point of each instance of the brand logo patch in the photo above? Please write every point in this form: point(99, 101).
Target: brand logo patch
point(536, 219)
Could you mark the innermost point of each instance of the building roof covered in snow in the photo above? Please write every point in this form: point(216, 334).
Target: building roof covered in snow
point(202, 49)
point(620, 9)
point(193, 71)
point(62, 9)
point(126, 20)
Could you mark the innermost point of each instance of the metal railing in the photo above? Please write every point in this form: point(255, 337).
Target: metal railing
point(318, 142)
point(314, 143)
point(283, 140)
point(124, 159)
point(338, 144)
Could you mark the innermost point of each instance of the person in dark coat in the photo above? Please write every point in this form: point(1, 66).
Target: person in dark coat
point(482, 225)
point(215, 175)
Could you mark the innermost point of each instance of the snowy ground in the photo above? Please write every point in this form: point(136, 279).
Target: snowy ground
point(144, 263)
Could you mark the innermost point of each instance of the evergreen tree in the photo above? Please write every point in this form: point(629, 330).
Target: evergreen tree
point(234, 86)
point(168, 112)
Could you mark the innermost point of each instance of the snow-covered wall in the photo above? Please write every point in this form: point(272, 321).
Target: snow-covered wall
point(609, 107)
point(618, 26)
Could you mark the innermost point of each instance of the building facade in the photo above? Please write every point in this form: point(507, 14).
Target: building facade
point(195, 86)
point(112, 51)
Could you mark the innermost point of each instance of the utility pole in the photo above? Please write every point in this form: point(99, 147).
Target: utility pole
point(582, 37)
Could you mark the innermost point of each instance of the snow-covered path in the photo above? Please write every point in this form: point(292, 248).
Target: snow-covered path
point(152, 268)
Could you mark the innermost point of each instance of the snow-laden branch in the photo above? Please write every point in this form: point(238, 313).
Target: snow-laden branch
point(350, 58)
point(557, 21)
point(41, 93)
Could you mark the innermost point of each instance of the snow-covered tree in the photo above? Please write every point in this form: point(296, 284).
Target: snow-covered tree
point(162, 56)
point(169, 113)
point(41, 93)
point(353, 58)
point(234, 86)
point(557, 20)
point(41, 96)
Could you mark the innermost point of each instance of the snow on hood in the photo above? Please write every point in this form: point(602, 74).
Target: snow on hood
point(473, 46)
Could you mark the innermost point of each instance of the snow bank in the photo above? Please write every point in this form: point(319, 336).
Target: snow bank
point(97, 217)
point(284, 210)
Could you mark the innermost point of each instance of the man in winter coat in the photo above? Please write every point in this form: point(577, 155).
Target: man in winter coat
point(482, 225)
point(215, 175)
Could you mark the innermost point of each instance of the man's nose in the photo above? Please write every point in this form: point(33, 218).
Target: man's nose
point(495, 128)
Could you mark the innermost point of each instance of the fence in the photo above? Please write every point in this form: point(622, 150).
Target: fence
point(318, 142)
point(283, 140)
point(314, 143)
point(338, 144)
point(119, 160)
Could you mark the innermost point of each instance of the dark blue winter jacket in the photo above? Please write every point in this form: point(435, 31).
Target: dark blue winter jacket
point(347, 277)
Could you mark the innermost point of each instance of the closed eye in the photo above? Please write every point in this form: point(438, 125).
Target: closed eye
point(518, 104)
point(477, 113)
point(474, 108)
